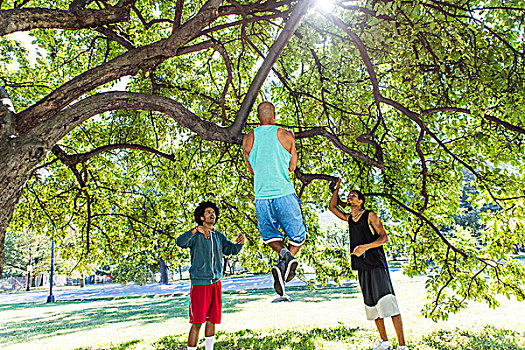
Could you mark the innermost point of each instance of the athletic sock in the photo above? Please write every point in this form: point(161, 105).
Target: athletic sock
point(209, 342)
point(283, 252)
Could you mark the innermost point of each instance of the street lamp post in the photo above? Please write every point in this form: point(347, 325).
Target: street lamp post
point(51, 297)
point(29, 270)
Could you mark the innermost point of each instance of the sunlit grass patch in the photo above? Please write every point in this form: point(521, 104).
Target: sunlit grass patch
point(310, 339)
point(339, 337)
point(487, 338)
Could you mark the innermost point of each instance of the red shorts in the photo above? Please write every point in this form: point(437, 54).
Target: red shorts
point(206, 303)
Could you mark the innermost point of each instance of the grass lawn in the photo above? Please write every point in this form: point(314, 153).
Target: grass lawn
point(331, 318)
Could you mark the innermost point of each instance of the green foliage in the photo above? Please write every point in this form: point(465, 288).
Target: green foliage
point(425, 56)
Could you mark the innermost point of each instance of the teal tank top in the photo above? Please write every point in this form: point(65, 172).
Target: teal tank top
point(270, 161)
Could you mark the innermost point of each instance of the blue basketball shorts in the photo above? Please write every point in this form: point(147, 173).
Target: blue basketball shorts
point(284, 212)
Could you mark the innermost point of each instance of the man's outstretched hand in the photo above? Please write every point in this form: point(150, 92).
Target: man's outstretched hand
point(240, 239)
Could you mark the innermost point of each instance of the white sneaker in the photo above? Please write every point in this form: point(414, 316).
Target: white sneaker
point(383, 345)
point(402, 347)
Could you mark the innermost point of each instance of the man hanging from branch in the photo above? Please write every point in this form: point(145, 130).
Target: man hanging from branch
point(367, 236)
point(269, 153)
point(207, 246)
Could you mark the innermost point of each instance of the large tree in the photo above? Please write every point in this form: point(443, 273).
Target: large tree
point(400, 98)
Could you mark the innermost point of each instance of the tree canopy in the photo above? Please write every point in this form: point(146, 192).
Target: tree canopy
point(399, 98)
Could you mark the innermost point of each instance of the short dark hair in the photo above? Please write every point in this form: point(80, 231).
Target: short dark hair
point(199, 211)
point(360, 196)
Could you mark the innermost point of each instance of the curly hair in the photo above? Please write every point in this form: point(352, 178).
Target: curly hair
point(199, 211)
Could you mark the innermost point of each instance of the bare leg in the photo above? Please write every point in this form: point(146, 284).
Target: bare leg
point(380, 324)
point(293, 249)
point(398, 325)
point(193, 337)
point(209, 331)
point(276, 246)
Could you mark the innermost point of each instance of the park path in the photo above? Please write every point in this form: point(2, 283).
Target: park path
point(114, 290)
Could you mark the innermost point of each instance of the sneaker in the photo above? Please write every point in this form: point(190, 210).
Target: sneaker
point(291, 266)
point(383, 345)
point(402, 347)
point(278, 273)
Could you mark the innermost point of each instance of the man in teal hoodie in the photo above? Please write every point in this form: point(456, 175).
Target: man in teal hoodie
point(207, 247)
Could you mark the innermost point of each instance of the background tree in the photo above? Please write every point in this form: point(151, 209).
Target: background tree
point(397, 97)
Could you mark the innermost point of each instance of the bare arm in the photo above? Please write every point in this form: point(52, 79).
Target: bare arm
point(378, 227)
point(287, 140)
point(293, 160)
point(333, 204)
point(247, 144)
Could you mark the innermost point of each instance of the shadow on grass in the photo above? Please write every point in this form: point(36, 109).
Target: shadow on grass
point(47, 320)
point(257, 340)
point(122, 346)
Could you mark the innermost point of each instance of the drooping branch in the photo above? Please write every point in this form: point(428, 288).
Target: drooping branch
point(422, 218)
point(308, 178)
point(76, 158)
point(275, 50)
point(321, 131)
point(505, 124)
point(16, 20)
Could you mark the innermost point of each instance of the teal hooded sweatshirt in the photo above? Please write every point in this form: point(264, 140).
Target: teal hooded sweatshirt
point(206, 255)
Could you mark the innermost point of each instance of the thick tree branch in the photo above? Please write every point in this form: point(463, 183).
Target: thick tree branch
point(129, 63)
point(275, 50)
point(178, 14)
point(30, 18)
point(250, 9)
point(63, 122)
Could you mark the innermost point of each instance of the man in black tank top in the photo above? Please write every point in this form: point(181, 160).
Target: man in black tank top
point(367, 236)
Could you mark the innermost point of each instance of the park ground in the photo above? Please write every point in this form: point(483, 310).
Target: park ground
point(329, 318)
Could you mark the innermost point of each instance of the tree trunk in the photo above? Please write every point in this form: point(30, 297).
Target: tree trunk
point(17, 159)
point(225, 265)
point(163, 271)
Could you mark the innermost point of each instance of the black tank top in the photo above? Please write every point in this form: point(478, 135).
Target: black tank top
point(360, 233)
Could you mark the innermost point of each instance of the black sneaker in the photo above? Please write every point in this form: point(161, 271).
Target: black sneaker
point(278, 272)
point(291, 266)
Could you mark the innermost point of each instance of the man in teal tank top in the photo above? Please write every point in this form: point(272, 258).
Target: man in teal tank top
point(269, 153)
